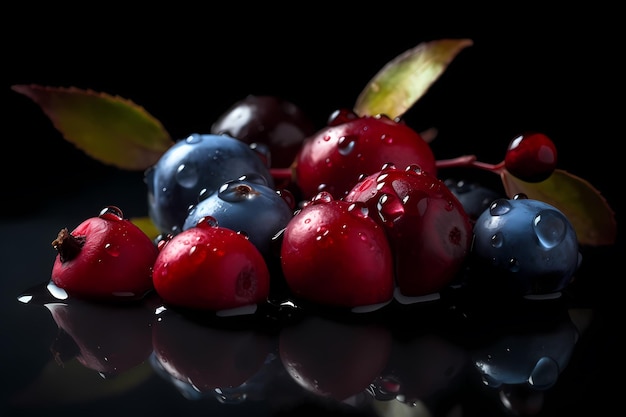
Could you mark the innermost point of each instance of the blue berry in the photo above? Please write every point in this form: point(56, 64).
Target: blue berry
point(524, 247)
point(473, 196)
point(199, 163)
point(247, 205)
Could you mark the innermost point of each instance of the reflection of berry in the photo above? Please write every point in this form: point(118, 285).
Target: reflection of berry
point(427, 227)
point(524, 247)
point(333, 253)
point(208, 267)
point(334, 158)
point(531, 157)
point(105, 257)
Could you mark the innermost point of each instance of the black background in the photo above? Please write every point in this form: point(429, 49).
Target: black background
point(529, 68)
point(556, 71)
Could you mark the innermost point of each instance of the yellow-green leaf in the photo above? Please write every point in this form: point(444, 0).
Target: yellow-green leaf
point(406, 78)
point(584, 206)
point(147, 226)
point(110, 129)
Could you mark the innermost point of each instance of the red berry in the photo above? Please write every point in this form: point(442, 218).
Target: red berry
point(208, 267)
point(428, 229)
point(332, 253)
point(335, 158)
point(106, 257)
point(531, 157)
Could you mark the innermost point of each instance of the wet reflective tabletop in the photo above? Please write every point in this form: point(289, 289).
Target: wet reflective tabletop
point(459, 355)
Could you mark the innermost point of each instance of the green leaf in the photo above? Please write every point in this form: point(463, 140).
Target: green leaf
point(406, 78)
point(110, 129)
point(590, 214)
point(147, 226)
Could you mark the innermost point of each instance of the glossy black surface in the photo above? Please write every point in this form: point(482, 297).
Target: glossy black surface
point(534, 72)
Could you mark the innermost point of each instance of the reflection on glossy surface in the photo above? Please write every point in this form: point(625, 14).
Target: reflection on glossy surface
point(418, 360)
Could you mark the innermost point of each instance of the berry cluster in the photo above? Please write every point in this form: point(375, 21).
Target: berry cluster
point(265, 207)
point(363, 219)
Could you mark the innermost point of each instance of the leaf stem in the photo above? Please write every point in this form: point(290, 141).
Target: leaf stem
point(470, 161)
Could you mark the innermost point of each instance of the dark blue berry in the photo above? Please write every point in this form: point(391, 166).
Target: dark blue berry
point(246, 205)
point(473, 196)
point(524, 247)
point(199, 163)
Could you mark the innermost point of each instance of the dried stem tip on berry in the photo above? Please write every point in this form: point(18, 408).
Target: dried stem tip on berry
point(68, 245)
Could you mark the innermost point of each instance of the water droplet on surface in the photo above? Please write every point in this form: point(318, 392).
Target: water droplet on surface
point(500, 207)
point(193, 138)
point(187, 175)
point(497, 240)
point(544, 374)
point(513, 265)
point(550, 228)
point(111, 249)
point(111, 213)
point(346, 144)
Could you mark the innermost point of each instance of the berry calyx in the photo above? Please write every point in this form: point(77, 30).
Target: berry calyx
point(105, 257)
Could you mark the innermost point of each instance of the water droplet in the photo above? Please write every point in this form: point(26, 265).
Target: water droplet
point(550, 228)
point(359, 209)
point(544, 374)
point(187, 175)
point(113, 250)
point(497, 240)
point(111, 213)
point(322, 197)
point(207, 221)
point(500, 207)
point(254, 178)
point(346, 144)
point(389, 208)
point(387, 139)
point(193, 138)
point(520, 196)
point(514, 265)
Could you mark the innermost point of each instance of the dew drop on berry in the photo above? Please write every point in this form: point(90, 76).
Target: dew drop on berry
point(207, 221)
point(111, 213)
point(387, 139)
point(359, 209)
point(113, 250)
point(514, 265)
point(323, 237)
point(544, 374)
point(346, 144)
point(389, 208)
point(254, 178)
point(550, 228)
point(500, 207)
point(322, 197)
point(497, 240)
point(187, 175)
point(195, 138)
